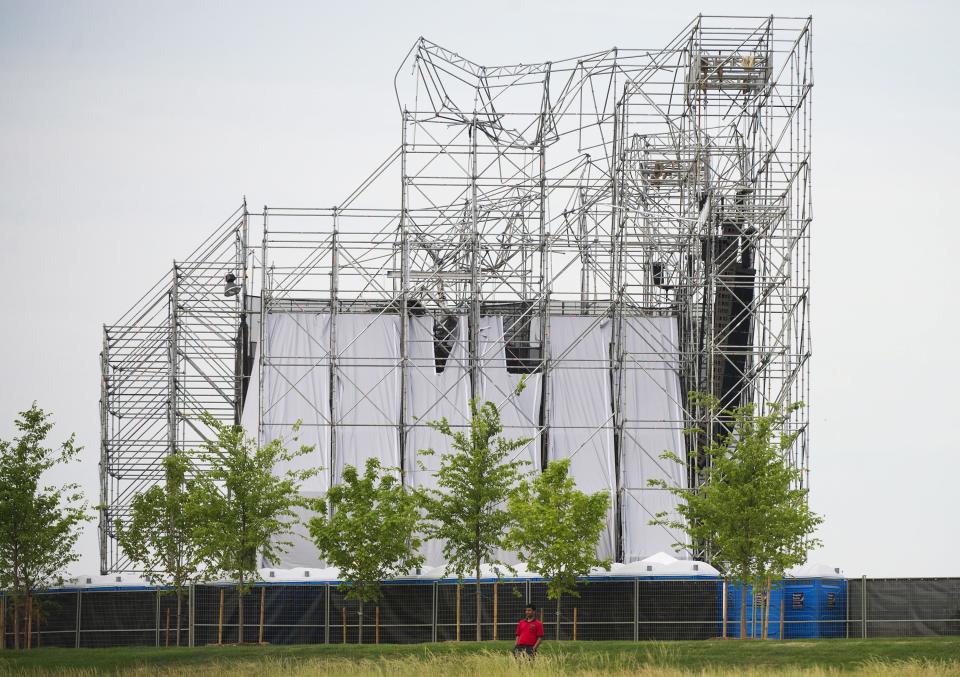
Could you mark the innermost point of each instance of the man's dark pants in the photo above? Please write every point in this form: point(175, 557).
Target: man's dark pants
point(523, 648)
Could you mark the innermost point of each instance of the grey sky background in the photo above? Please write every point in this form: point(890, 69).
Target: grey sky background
point(129, 130)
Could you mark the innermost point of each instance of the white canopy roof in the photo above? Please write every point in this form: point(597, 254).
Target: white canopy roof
point(124, 580)
point(663, 564)
point(815, 570)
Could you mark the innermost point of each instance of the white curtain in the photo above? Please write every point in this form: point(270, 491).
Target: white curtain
point(368, 391)
point(519, 414)
point(250, 417)
point(581, 416)
point(653, 423)
point(296, 387)
point(430, 397)
point(296, 380)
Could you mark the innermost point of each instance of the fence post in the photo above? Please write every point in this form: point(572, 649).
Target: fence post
point(636, 609)
point(220, 620)
point(434, 619)
point(263, 594)
point(326, 616)
point(3, 621)
point(76, 641)
point(863, 606)
point(191, 615)
point(846, 607)
point(495, 595)
point(458, 612)
point(723, 591)
point(156, 616)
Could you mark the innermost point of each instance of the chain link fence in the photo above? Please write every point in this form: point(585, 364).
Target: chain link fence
point(438, 611)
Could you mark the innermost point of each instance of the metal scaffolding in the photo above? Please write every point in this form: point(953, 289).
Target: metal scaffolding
point(623, 184)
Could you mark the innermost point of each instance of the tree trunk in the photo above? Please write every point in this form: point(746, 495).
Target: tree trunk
point(766, 613)
point(743, 610)
point(240, 611)
point(179, 599)
point(558, 617)
point(360, 625)
point(479, 615)
point(763, 614)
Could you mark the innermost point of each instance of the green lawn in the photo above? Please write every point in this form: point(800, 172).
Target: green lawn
point(572, 657)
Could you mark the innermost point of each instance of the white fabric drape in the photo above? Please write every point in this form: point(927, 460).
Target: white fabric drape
point(368, 391)
point(519, 414)
point(296, 387)
point(296, 384)
point(250, 417)
point(295, 369)
point(653, 423)
point(430, 397)
point(581, 414)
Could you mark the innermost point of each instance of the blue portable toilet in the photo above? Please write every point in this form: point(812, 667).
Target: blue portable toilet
point(816, 602)
point(753, 613)
point(813, 599)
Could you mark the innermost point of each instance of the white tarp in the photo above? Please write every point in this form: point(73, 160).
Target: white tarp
point(581, 414)
point(296, 387)
point(296, 381)
point(519, 414)
point(250, 417)
point(368, 391)
point(432, 396)
point(653, 423)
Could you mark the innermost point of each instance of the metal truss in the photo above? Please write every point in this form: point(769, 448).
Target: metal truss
point(620, 184)
point(174, 355)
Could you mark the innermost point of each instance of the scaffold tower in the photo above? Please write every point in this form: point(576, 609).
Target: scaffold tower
point(614, 230)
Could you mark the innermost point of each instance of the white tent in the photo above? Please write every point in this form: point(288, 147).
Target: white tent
point(662, 564)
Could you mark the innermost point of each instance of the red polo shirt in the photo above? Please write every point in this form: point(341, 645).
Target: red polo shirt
point(529, 631)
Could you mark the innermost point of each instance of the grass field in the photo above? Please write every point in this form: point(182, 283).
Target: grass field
point(920, 656)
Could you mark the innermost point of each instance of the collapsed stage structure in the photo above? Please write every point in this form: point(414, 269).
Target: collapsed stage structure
point(616, 230)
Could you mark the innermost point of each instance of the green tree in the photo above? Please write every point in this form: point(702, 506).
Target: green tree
point(159, 536)
point(556, 528)
point(468, 511)
point(749, 506)
point(240, 508)
point(371, 533)
point(39, 524)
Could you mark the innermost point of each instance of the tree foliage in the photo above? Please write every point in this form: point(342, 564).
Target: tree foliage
point(159, 538)
point(556, 528)
point(368, 528)
point(240, 508)
point(468, 510)
point(749, 506)
point(39, 524)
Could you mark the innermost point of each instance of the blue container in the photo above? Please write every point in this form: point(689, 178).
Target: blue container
point(815, 607)
point(753, 613)
point(812, 608)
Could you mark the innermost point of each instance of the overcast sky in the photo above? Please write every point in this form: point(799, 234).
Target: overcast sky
point(129, 130)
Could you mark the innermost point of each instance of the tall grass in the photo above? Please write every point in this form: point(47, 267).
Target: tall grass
point(655, 663)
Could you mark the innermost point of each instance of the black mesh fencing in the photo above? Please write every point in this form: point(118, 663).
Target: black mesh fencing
point(419, 611)
point(903, 607)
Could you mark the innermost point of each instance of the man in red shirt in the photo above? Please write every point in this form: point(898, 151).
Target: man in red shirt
point(529, 633)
